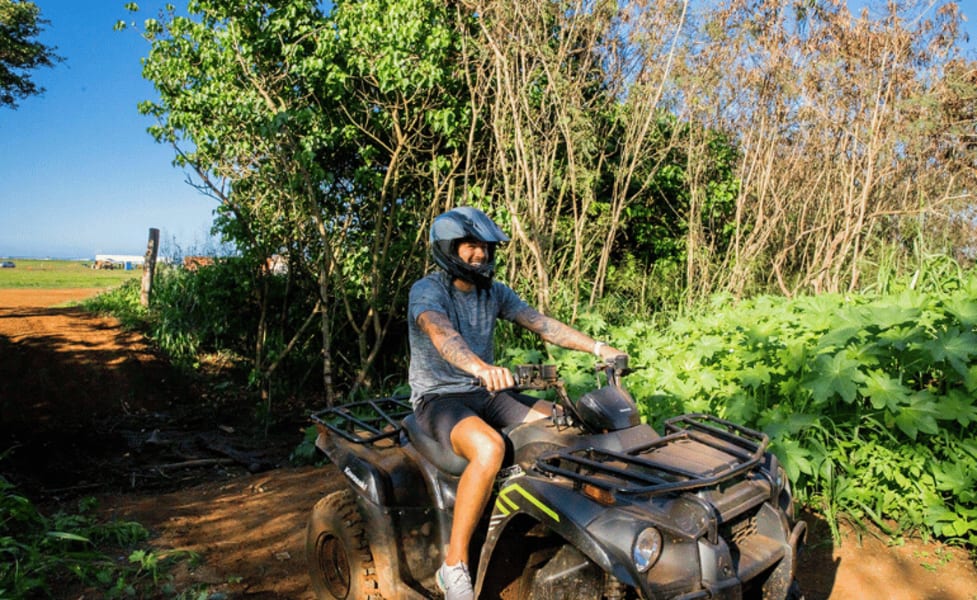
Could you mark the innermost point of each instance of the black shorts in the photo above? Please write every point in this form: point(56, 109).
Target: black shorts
point(437, 414)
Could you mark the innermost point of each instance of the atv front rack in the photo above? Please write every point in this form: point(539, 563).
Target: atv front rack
point(664, 465)
point(365, 422)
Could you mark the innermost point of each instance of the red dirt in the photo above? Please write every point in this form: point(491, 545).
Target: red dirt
point(80, 400)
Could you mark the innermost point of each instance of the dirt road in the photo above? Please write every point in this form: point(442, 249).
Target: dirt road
point(89, 406)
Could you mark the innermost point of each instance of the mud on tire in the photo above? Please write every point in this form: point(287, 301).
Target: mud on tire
point(339, 558)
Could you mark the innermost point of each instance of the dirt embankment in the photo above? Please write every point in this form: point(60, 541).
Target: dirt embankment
point(91, 409)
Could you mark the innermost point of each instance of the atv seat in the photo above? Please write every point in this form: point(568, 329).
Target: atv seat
point(431, 449)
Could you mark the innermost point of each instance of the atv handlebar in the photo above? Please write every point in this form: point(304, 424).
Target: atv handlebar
point(543, 377)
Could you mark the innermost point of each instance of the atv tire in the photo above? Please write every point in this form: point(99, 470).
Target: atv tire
point(339, 558)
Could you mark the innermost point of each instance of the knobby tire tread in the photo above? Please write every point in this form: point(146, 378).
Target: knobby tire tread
point(343, 504)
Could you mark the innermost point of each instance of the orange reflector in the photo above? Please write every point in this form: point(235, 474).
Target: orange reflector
point(596, 493)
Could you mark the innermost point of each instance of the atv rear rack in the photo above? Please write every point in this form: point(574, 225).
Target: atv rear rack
point(365, 422)
point(641, 470)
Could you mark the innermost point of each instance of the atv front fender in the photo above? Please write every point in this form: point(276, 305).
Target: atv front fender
point(564, 512)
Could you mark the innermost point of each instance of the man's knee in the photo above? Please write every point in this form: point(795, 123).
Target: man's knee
point(480, 444)
point(491, 450)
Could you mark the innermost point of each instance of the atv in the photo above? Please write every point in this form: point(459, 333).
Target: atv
point(593, 504)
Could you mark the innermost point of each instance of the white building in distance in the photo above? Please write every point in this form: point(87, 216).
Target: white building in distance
point(118, 261)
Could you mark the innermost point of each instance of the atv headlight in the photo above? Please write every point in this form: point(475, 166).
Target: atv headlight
point(646, 549)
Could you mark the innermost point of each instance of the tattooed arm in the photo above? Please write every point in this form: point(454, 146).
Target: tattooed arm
point(454, 349)
point(561, 334)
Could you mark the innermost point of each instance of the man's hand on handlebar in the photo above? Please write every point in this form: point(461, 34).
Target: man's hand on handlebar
point(608, 353)
point(495, 378)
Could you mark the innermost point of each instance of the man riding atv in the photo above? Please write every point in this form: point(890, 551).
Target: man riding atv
point(457, 392)
point(591, 502)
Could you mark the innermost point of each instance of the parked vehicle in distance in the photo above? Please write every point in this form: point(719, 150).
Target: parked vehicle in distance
point(7, 264)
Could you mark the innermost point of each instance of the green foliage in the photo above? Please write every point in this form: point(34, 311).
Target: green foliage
point(215, 309)
point(20, 52)
point(121, 302)
point(868, 399)
point(306, 453)
point(37, 550)
point(319, 133)
point(205, 310)
point(656, 228)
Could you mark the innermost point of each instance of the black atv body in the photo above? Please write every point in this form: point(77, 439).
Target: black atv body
point(594, 505)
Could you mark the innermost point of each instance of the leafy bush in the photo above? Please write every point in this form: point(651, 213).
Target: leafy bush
point(204, 310)
point(232, 308)
point(121, 302)
point(36, 550)
point(868, 399)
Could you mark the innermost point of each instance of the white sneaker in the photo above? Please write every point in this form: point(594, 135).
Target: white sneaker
point(455, 582)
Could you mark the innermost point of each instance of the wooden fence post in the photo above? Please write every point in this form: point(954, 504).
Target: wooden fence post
point(149, 266)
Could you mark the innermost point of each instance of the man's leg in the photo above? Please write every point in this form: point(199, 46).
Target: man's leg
point(483, 447)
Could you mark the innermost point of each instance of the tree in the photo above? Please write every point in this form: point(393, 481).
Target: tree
point(328, 136)
point(572, 106)
point(20, 52)
point(854, 136)
point(739, 148)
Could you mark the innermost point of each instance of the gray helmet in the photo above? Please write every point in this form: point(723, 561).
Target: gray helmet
point(465, 223)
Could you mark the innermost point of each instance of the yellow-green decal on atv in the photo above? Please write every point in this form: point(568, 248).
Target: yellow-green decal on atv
point(505, 499)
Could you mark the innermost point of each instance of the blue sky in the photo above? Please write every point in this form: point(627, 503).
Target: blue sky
point(79, 175)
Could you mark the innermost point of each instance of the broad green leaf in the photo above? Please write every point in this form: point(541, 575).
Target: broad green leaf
point(970, 379)
point(884, 391)
point(839, 337)
point(954, 477)
point(837, 374)
point(739, 409)
point(708, 379)
point(957, 406)
point(776, 422)
point(755, 376)
point(899, 337)
point(886, 315)
point(954, 347)
point(794, 356)
point(918, 416)
point(792, 456)
point(961, 527)
point(709, 345)
point(964, 309)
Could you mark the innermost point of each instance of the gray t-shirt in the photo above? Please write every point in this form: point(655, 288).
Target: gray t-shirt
point(473, 315)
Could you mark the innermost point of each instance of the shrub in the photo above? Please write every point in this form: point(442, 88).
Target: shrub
point(121, 302)
point(36, 550)
point(868, 399)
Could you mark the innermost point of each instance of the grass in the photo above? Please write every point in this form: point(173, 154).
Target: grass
point(53, 274)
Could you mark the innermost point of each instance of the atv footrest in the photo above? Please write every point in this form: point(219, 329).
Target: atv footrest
point(367, 421)
point(699, 451)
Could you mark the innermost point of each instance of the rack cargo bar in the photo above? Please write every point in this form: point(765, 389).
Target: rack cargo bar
point(365, 422)
point(637, 471)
